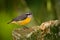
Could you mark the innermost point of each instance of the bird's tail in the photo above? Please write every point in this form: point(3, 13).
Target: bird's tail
point(9, 22)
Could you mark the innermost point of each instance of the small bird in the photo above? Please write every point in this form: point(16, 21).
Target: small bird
point(22, 19)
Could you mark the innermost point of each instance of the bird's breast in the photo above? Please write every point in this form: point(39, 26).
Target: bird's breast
point(25, 21)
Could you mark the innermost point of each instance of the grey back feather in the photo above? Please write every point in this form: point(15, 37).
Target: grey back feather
point(21, 17)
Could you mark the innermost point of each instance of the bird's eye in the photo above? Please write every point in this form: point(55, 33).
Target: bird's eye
point(29, 14)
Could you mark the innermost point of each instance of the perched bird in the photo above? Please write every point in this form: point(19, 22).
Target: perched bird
point(22, 19)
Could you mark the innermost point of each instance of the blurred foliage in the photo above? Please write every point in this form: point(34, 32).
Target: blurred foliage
point(43, 10)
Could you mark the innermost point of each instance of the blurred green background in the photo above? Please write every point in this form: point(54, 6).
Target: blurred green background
point(43, 10)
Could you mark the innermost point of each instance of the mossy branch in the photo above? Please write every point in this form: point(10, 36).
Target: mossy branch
point(49, 30)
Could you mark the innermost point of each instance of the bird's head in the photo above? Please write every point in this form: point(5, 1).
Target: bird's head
point(29, 14)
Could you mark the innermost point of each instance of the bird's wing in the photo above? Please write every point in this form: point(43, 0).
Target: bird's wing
point(19, 18)
point(22, 17)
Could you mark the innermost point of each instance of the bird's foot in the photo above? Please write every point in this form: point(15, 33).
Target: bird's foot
point(25, 27)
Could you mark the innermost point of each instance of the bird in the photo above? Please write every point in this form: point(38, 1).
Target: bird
point(23, 19)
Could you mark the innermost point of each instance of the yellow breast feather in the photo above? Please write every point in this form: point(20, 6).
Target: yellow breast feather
point(25, 21)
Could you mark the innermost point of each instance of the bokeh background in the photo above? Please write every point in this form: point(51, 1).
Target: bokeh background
point(43, 10)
